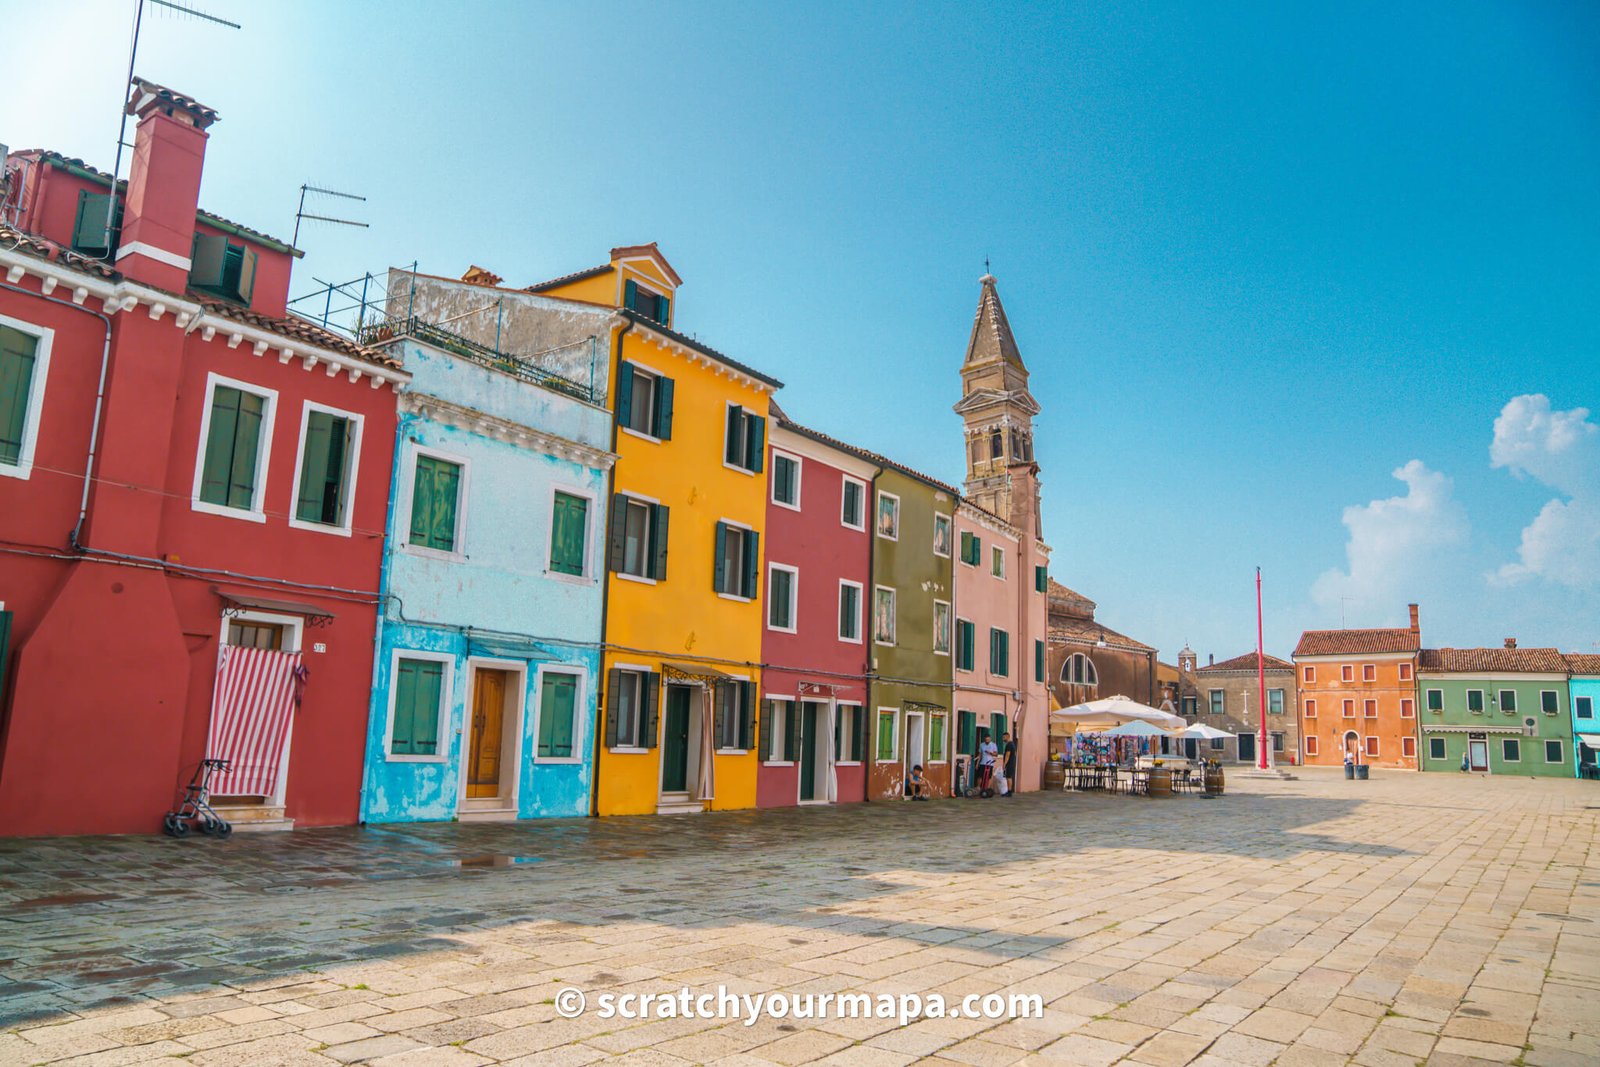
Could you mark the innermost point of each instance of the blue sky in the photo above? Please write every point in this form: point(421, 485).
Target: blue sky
point(1259, 258)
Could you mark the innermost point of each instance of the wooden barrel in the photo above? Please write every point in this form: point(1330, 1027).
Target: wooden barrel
point(1160, 782)
point(1055, 776)
point(1214, 781)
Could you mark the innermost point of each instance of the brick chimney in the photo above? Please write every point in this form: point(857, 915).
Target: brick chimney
point(1415, 627)
point(169, 150)
point(1511, 642)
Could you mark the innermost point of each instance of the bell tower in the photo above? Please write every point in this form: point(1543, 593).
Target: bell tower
point(998, 411)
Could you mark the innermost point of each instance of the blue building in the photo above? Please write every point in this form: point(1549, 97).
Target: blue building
point(1584, 688)
point(487, 664)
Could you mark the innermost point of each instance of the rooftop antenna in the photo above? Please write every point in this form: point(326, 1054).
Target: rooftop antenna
point(122, 122)
point(300, 213)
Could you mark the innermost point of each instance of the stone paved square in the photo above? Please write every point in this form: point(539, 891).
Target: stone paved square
point(1408, 919)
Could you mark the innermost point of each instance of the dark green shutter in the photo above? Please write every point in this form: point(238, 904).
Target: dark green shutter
point(617, 536)
point(405, 698)
point(733, 439)
point(838, 737)
point(421, 501)
point(658, 535)
point(858, 730)
point(766, 730)
point(322, 469)
point(747, 715)
point(433, 503)
point(228, 471)
point(630, 295)
point(755, 448)
point(89, 230)
point(791, 748)
point(1041, 579)
point(1038, 661)
point(208, 262)
point(651, 699)
point(997, 726)
point(664, 304)
point(663, 422)
point(613, 711)
point(18, 354)
point(557, 704)
point(719, 571)
point(752, 564)
point(246, 444)
point(1005, 654)
point(624, 390)
point(719, 713)
point(416, 707)
point(569, 525)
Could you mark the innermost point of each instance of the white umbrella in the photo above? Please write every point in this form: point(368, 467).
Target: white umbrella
point(1201, 732)
point(1111, 711)
point(1135, 728)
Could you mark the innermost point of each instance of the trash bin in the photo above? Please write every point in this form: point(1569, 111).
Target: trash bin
point(1349, 770)
point(1361, 771)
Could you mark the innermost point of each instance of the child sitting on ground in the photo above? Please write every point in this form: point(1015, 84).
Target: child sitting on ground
point(917, 785)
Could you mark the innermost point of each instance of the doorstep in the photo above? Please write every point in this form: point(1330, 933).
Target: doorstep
point(679, 804)
point(254, 818)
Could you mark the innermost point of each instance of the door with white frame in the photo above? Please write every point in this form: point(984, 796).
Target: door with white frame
point(916, 749)
point(273, 632)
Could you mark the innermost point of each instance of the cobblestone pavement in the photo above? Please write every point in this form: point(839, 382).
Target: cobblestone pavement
point(1409, 919)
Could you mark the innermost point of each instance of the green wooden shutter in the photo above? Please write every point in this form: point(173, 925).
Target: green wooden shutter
point(630, 295)
point(246, 446)
point(752, 564)
point(967, 730)
point(18, 354)
point(89, 230)
point(886, 722)
point(613, 708)
point(791, 749)
point(658, 536)
point(617, 535)
point(719, 713)
point(1041, 579)
point(208, 262)
point(733, 440)
point(405, 698)
point(1005, 653)
point(663, 420)
point(322, 469)
point(936, 737)
point(838, 736)
point(569, 524)
point(557, 707)
point(624, 391)
point(442, 523)
point(425, 717)
point(651, 699)
point(997, 726)
point(219, 445)
point(719, 571)
point(747, 715)
point(755, 448)
point(858, 731)
point(1038, 661)
point(766, 730)
point(664, 304)
point(421, 500)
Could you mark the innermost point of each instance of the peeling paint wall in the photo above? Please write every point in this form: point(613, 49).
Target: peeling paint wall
point(494, 598)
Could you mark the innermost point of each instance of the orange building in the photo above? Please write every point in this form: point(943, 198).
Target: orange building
point(1358, 693)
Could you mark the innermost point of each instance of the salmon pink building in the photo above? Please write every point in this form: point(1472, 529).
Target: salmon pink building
point(813, 735)
point(193, 490)
point(1358, 695)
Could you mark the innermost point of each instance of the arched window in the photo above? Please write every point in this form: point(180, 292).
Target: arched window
point(1079, 670)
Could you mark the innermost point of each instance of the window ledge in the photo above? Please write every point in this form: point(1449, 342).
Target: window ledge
point(847, 763)
point(628, 750)
point(737, 599)
point(736, 467)
point(640, 434)
point(320, 527)
point(733, 752)
point(16, 470)
point(786, 507)
point(782, 629)
point(570, 579)
point(391, 758)
point(424, 552)
point(862, 528)
point(557, 761)
point(777, 763)
point(228, 513)
point(641, 579)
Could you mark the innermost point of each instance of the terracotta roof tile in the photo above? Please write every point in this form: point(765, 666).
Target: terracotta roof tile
point(1090, 631)
point(204, 116)
point(1583, 662)
point(1247, 662)
point(298, 329)
point(1349, 642)
point(1497, 660)
point(38, 246)
point(860, 453)
point(575, 276)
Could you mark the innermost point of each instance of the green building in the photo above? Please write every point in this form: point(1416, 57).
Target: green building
point(1494, 711)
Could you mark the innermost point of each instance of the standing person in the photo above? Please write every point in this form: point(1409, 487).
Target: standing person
point(988, 752)
point(1009, 748)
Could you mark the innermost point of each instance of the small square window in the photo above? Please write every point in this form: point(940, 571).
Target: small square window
point(785, 481)
point(781, 597)
point(1508, 701)
point(1408, 747)
point(1308, 674)
point(1369, 672)
point(852, 504)
point(1511, 750)
point(997, 561)
point(889, 516)
point(1347, 673)
point(1554, 752)
point(1436, 748)
point(941, 535)
point(1549, 701)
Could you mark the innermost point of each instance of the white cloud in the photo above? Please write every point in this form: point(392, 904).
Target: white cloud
point(1560, 449)
point(1394, 542)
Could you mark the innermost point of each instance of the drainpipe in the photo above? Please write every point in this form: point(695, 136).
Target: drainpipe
point(99, 402)
point(870, 709)
point(605, 594)
point(402, 424)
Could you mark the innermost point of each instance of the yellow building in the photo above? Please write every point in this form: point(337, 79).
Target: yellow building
point(683, 621)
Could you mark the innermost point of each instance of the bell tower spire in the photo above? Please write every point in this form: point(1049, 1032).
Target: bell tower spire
point(998, 412)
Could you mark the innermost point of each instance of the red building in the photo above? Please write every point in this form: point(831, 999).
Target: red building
point(185, 473)
point(814, 640)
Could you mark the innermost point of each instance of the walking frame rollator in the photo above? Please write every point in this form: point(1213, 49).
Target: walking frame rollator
point(196, 806)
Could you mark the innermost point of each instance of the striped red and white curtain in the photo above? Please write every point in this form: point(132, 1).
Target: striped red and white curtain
point(250, 709)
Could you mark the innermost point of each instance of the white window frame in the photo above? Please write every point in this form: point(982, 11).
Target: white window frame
point(1372, 746)
point(643, 673)
point(894, 734)
point(1308, 673)
point(1311, 707)
point(1214, 697)
point(950, 534)
point(353, 458)
point(780, 730)
point(927, 725)
point(650, 531)
point(1515, 741)
point(1283, 702)
point(580, 713)
point(997, 561)
point(1411, 701)
point(1347, 672)
point(847, 735)
point(861, 604)
point(1444, 751)
point(1553, 692)
point(735, 750)
point(799, 473)
point(408, 488)
point(745, 532)
point(862, 486)
point(894, 611)
point(655, 402)
point(1427, 700)
point(1588, 702)
point(447, 705)
point(256, 512)
point(1406, 673)
point(949, 628)
point(1561, 758)
point(1407, 739)
point(876, 505)
point(1369, 669)
point(794, 597)
point(1483, 702)
point(1500, 702)
point(955, 643)
point(44, 339)
point(1369, 702)
point(593, 547)
point(744, 415)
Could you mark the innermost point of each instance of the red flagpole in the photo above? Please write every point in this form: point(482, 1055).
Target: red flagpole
point(1261, 675)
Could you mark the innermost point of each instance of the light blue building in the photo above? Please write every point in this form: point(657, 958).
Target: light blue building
point(487, 666)
point(1584, 687)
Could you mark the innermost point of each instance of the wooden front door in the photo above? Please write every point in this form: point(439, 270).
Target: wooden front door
point(808, 750)
point(488, 716)
point(1247, 748)
point(675, 741)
